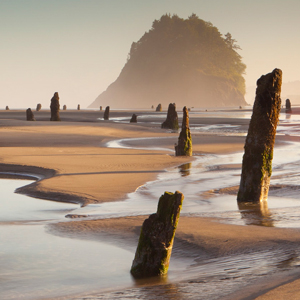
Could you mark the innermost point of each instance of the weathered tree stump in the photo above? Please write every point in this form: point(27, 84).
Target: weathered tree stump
point(159, 107)
point(55, 108)
point(257, 160)
point(288, 106)
point(38, 107)
point(78, 107)
point(133, 119)
point(29, 115)
point(100, 108)
point(172, 118)
point(154, 249)
point(65, 107)
point(6, 107)
point(184, 146)
point(106, 113)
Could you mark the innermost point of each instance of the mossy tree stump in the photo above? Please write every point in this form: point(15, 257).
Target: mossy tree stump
point(172, 118)
point(184, 146)
point(257, 160)
point(154, 248)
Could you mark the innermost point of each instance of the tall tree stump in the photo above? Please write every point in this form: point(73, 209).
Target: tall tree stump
point(257, 160)
point(184, 146)
point(54, 106)
point(172, 118)
point(106, 113)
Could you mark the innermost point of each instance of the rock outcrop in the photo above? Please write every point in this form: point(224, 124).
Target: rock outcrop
point(288, 106)
point(38, 107)
point(106, 113)
point(186, 61)
point(184, 146)
point(172, 118)
point(133, 119)
point(29, 115)
point(54, 106)
point(257, 159)
point(158, 107)
point(155, 244)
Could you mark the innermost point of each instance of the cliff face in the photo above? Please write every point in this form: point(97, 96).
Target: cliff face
point(183, 61)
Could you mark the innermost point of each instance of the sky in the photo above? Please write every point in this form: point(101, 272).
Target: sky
point(79, 47)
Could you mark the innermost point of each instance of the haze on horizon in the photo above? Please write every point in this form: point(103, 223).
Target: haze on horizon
point(78, 48)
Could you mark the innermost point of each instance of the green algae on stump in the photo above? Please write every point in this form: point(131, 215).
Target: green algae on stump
point(184, 147)
point(257, 159)
point(155, 244)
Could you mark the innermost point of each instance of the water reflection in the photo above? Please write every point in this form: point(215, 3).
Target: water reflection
point(256, 214)
point(185, 169)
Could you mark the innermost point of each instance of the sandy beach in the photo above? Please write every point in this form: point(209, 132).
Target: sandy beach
point(76, 162)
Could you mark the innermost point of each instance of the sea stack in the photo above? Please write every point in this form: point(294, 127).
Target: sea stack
point(106, 113)
point(38, 107)
point(184, 147)
point(257, 159)
point(288, 106)
point(29, 115)
point(55, 107)
point(159, 107)
point(172, 118)
point(155, 244)
point(133, 119)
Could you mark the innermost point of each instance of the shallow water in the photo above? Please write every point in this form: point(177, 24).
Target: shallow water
point(36, 264)
point(31, 257)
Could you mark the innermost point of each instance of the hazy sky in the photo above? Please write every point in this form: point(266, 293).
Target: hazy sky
point(79, 47)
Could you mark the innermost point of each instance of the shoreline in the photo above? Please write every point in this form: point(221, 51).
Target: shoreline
point(73, 181)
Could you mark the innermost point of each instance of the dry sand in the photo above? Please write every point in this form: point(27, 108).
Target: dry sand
point(75, 165)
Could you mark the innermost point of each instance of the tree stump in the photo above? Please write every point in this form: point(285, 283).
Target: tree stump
point(257, 159)
point(155, 244)
point(106, 113)
point(184, 146)
point(55, 108)
point(172, 118)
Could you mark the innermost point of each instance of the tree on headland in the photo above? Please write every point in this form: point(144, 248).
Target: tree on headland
point(187, 61)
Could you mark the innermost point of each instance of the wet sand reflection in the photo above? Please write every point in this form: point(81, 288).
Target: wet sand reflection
point(185, 169)
point(256, 213)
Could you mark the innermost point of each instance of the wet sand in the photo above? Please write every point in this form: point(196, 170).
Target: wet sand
point(74, 165)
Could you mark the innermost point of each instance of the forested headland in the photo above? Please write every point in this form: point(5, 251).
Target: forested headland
point(186, 61)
